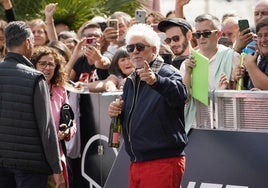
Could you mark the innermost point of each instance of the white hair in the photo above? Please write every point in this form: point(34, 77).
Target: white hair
point(146, 32)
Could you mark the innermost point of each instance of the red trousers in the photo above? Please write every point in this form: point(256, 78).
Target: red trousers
point(160, 173)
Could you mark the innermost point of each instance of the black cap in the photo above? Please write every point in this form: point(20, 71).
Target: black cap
point(163, 25)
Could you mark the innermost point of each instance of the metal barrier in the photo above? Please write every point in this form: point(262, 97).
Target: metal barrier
point(228, 109)
point(235, 110)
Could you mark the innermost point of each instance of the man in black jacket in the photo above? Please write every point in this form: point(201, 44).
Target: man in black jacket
point(28, 143)
point(152, 114)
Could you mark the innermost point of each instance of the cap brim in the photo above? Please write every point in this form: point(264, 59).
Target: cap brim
point(163, 25)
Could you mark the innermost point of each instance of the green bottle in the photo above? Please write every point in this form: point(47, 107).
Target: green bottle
point(115, 131)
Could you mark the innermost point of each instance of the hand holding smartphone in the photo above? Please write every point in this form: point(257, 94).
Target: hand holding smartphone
point(114, 24)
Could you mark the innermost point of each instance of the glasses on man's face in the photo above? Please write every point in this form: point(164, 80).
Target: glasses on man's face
point(44, 64)
point(139, 47)
point(175, 38)
point(205, 34)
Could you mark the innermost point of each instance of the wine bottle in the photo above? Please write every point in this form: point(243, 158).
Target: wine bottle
point(240, 82)
point(115, 131)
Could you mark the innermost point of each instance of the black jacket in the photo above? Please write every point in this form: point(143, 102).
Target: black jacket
point(153, 116)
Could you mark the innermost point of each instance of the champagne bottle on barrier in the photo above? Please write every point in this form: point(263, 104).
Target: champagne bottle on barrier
point(115, 131)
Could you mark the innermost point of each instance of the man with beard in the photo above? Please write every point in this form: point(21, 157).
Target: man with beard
point(178, 36)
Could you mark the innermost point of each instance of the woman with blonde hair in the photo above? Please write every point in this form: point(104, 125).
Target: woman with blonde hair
point(39, 29)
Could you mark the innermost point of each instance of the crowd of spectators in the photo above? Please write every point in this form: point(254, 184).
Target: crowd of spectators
point(95, 57)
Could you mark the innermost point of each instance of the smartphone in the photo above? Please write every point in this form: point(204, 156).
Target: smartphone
point(92, 41)
point(243, 24)
point(140, 16)
point(113, 23)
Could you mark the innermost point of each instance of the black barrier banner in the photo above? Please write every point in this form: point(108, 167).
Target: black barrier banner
point(226, 159)
point(214, 159)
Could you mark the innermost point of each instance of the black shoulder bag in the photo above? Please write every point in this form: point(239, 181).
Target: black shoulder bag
point(66, 121)
point(66, 117)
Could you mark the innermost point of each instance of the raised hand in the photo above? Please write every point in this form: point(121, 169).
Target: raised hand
point(182, 2)
point(50, 10)
point(146, 74)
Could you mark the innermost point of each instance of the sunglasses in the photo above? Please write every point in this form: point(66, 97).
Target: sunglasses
point(175, 38)
point(205, 34)
point(139, 47)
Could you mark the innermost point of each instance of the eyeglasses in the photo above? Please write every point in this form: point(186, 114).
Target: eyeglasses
point(44, 64)
point(175, 38)
point(205, 34)
point(139, 47)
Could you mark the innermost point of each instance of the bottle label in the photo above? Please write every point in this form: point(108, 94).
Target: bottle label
point(116, 138)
